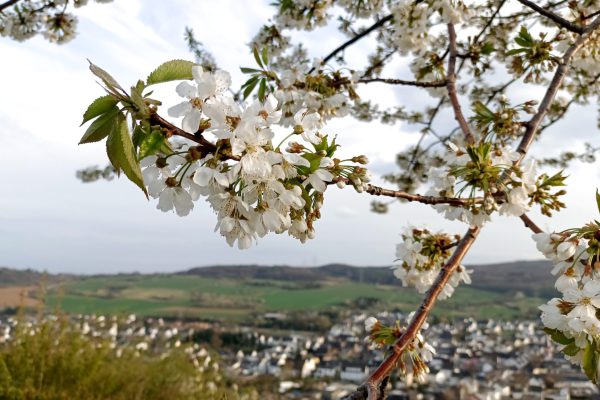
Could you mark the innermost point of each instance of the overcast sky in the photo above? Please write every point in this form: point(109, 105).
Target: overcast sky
point(50, 220)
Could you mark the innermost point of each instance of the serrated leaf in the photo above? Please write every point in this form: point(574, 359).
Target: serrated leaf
point(250, 88)
point(151, 144)
point(139, 134)
point(122, 154)
point(571, 350)
point(249, 70)
point(589, 362)
point(515, 51)
point(487, 48)
point(98, 107)
point(101, 126)
point(558, 336)
point(108, 80)
point(257, 57)
point(522, 42)
point(262, 89)
point(482, 110)
point(173, 70)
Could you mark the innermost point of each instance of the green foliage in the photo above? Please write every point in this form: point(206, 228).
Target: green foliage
point(121, 153)
point(260, 77)
point(54, 361)
point(152, 144)
point(533, 55)
point(174, 295)
point(100, 106)
point(111, 85)
point(102, 126)
point(559, 337)
point(173, 70)
point(590, 361)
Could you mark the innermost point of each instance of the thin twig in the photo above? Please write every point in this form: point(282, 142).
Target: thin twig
point(451, 85)
point(453, 201)
point(592, 15)
point(8, 4)
point(560, 21)
point(429, 84)
point(205, 146)
point(356, 38)
point(559, 75)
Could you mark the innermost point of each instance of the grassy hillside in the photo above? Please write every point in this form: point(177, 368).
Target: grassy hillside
point(241, 293)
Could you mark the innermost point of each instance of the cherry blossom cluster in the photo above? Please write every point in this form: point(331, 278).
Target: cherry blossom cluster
point(254, 186)
point(572, 320)
point(588, 59)
point(302, 14)
point(47, 17)
point(420, 257)
point(413, 22)
point(417, 354)
point(487, 175)
point(327, 93)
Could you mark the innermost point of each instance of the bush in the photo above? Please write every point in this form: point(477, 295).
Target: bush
point(54, 360)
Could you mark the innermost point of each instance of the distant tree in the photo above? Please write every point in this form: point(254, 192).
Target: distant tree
point(466, 56)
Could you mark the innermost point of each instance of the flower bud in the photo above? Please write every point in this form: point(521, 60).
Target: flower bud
point(362, 159)
point(341, 184)
point(161, 162)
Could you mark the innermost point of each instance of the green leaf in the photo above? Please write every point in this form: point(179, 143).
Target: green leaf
point(262, 89)
point(257, 57)
point(101, 127)
point(571, 350)
point(589, 362)
point(249, 70)
point(483, 111)
point(487, 48)
point(98, 107)
point(139, 134)
point(598, 200)
point(515, 51)
point(523, 43)
point(558, 336)
point(174, 70)
point(151, 144)
point(250, 87)
point(108, 80)
point(121, 153)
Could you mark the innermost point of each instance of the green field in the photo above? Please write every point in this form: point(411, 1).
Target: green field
point(234, 300)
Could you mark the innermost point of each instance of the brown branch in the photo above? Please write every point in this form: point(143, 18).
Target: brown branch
point(451, 85)
point(205, 146)
point(530, 224)
point(560, 21)
point(356, 38)
point(453, 201)
point(534, 124)
point(438, 83)
point(592, 15)
point(8, 4)
point(385, 368)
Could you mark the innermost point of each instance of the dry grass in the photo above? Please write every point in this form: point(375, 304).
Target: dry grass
point(16, 296)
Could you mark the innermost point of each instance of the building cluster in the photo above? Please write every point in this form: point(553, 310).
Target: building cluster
point(487, 360)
